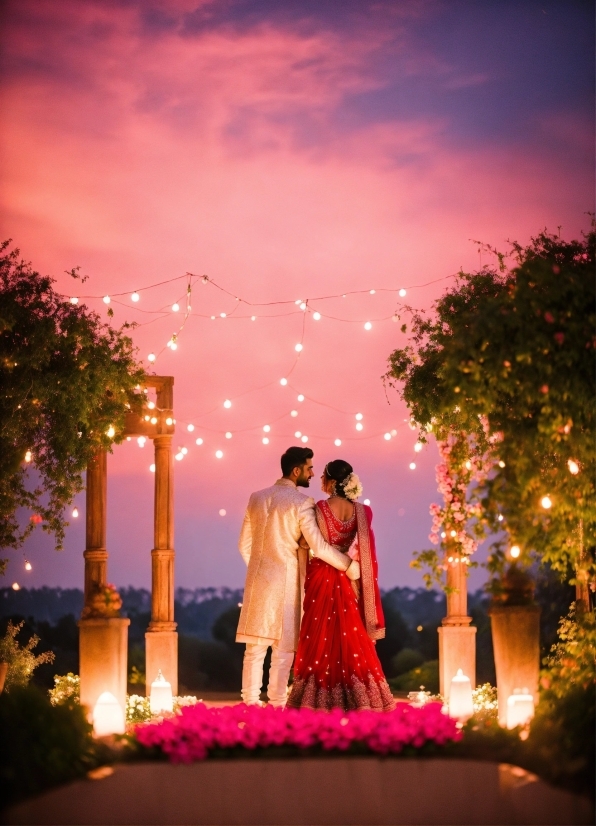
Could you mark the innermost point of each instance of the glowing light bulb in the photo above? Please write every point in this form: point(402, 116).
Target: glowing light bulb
point(151, 357)
point(253, 318)
point(337, 443)
point(304, 439)
point(300, 398)
point(443, 535)
point(219, 454)
point(515, 551)
point(179, 456)
point(453, 534)
point(153, 419)
point(501, 464)
point(359, 417)
point(74, 300)
point(418, 447)
point(28, 456)
point(199, 442)
point(283, 382)
point(298, 434)
point(141, 441)
point(106, 299)
point(152, 468)
point(146, 418)
point(28, 565)
point(366, 502)
point(184, 450)
point(175, 307)
point(174, 345)
point(222, 512)
point(412, 465)
point(359, 426)
point(227, 404)
point(75, 513)
point(265, 440)
point(223, 315)
point(468, 465)
point(228, 435)
point(372, 292)
point(190, 428)
point(110, 432)
point(135, 297)
point(546, 502)
point(387, 436)
point(394, 432)
point(303, 306)
point(500, 517)
point(266, 428)
point(150, 405)
point(402, 293)
point(368, 326)
point(293, 413)
point(316, 316)
point(573, 467)
point(16, 586)
point(298, 348)
point(169, 421)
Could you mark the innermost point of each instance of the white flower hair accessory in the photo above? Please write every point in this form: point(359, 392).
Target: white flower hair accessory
point(352, 487)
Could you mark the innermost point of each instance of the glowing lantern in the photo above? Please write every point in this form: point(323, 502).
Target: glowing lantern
point(108, 717)
point(520, 708)
point(160, 699)
point(461, 705)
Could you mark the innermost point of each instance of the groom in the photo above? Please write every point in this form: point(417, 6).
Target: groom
point(276, 518)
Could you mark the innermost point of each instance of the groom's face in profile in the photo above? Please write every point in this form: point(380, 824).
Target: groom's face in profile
point(305, 475)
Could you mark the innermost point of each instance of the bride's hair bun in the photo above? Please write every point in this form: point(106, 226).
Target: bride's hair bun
point(339, 471)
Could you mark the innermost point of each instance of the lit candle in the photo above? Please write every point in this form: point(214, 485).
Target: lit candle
point(520, 707)
point(108, 717)
point(160, 699)
point(460, 697)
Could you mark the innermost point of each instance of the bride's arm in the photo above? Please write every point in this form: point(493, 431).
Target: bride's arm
point(321, 549)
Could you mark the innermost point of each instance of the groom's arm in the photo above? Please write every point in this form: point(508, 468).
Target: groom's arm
point(245, 540)
point(321, 549)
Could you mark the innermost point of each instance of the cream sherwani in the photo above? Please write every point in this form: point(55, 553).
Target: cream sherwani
point(274, 521)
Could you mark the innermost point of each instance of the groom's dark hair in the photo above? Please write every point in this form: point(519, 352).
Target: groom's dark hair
point(295, 457)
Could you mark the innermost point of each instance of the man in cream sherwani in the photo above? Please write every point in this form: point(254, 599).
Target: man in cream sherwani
point(275, 521)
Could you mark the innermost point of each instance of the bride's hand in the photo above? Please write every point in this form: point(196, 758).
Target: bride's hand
point(303, 543)
point(353, 570)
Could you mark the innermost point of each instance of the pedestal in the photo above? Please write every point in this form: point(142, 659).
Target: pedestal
point(103, 659)
point(457, 649)
point(161, 654)
point(516, 644)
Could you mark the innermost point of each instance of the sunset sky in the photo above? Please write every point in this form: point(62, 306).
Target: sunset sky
point(288, 150)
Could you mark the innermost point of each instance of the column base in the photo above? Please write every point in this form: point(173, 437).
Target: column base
point(457, 649)
point(161, 654)
point(516, 642)
point(103, 659)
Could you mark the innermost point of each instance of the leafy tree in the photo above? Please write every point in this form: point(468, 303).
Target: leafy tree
point(508, 355)
point(20, 658)
point(68, 380)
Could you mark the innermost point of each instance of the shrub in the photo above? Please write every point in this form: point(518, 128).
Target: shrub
point(405, 661)
point(426, 675)
point(67, 689)
point(20, 658)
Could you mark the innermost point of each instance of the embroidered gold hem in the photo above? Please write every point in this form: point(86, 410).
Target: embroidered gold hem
point(376, 696)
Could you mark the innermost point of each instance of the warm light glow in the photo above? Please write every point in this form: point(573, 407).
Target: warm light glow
point(546, 502)
point(372, 292)
point(227, 404)
point(367, 501)
point(175, 307)
point(368, 326)
point(468, 465)
point(179, 456)
point(461, 705)
point(402, 293)
point(106, 299)
point(418, 447)
point(298, 434)
point(337, 442)
point(153, 419)
point(75, 513)
point(443, 535)
point(253, 318)
point(573, 467)
point(169, 421)
point(304, 439)
point(359, 426)
point(152, 468)
point(412, 465)
point(293, 413)
point(110, 432)
point(501, 463)
point(394, 432)
point(184, 450)
point(160, 698)
point(387, 436)
point(266, 428)
point(28, 565)
point(150, 405)
point(316, 316)
point(500, 517)
point(74, 300)
point(173, 345)
point(190, 427)
point(515, 551)
point(520, 708)
point(453, 534)
point(359, 417)
point(265, 440)
point(222, 512)
point(303, 306)
point(108, 716)
point(199, 442)
point(147, 418)
point(228, 435)
point(219, 454)
point(16, 586)
point(28, 456)
point(300, 397)
point(151, 357)
point(141, 441)
point(135, 297)
point(283, 382)
point(298, 348)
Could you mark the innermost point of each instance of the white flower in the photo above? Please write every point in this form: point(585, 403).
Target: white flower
point(352, 487)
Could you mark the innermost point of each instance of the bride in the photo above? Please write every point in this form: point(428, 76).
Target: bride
point(336, 663)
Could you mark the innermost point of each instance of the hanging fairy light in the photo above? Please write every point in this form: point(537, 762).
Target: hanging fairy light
point(141, 441)
point(316, 316)
point(227, 404)
point(358, 417)
point(368, 326)
point(111, 432)
point(515, 551)
point(106, 299)
point(152, 468)
point(28, 456)
point(300, 397)
point(573, 467)
point(298, 434)
point(359, 426)
point(219, 454)
point(265, 440)
point(199, 442)
point(228, 435)
point(184, 451)
point(153, 420)
point(135, 297)
point(169, 421)
point(16, 586)
point(253, 318)
point(190, 427)
point(28, 565)
point(293, 413)
point(75, 513)
point(402, 293)
point(387, 436)
point(179, 456)
point(151, 357)
point(303, 306)
point(546, 502)
point(418, 447)
point(337, 443)
point(304, 439)
point(267, 428)
point(150, 405)
point(298, 348)
point(74, 300)
point(372, 292)
point(412, 465)
point(175, 307)
point(283, 382)
point(222, 512)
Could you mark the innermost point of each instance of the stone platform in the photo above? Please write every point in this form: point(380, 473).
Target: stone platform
point(314, 791)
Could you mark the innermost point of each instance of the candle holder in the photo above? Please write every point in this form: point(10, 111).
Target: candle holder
point(160, 699)
point(461, 705)
point(108, 716)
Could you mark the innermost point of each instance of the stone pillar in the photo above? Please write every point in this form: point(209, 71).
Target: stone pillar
point(516, 643)
point(457, 638)
point(103, 641)
point(161, 639)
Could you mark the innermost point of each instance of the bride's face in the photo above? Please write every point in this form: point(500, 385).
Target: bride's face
point(325, 484)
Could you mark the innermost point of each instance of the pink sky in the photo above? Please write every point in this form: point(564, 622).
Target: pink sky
point(286, 155)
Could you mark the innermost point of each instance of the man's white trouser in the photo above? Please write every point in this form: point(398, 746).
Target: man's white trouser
point(279, 672)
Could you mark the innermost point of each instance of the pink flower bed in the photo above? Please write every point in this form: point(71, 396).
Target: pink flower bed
point(197, 730)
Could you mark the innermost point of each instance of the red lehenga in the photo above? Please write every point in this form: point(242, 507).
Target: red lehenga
point(336, 663)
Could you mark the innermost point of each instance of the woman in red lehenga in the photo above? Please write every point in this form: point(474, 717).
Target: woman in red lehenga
point(336, 663)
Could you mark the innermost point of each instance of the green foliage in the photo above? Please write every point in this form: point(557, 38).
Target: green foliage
point(20, 658)
point(405, 661)
point(513, 350)
point(43, 745)
point(137, 709)
point(571, 662)
point(67, 689)
point(66, 378)
point(485, 701)
point(426, 675)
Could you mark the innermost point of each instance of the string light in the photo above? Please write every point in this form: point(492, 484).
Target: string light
point(135, 297)
point(303, 306)
point(337, 443)
point(106, 299)
point(219, 454)
point(418, 447)
point(190, 428)
point(412, 465)
point(546, 502)
point(222, 512)
point(169, 421)
point(573, 467)
point(152, 468)
point(28, 456)
point(283, 382)
point(179, 456)
point(359, 426)
point(372, 292)
point(199, 442)
point(151, 357)
point(266, 428)
point(316, 316)
point(150, 405)
point(74, 300)
point(298, 348)
point(368, 326)
point(253, 318)
point(300, 397)
point(515, 551)
point(501, 463)
point(184, 450)
point(175, 307)
point(110, 432)
point(298, 434)
point(141, 441)
point(387, 436)
point(304, 439)
point(500, 517)
point(75, 513)
point(358, 417)
point(443, 535)
point(228, 435)
point(153, 419)
point(293, 413)
point(265, 440)
point(367, 502)
point(28, 565)
point(402, 293)
point(16, 586)
point(227, 404)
